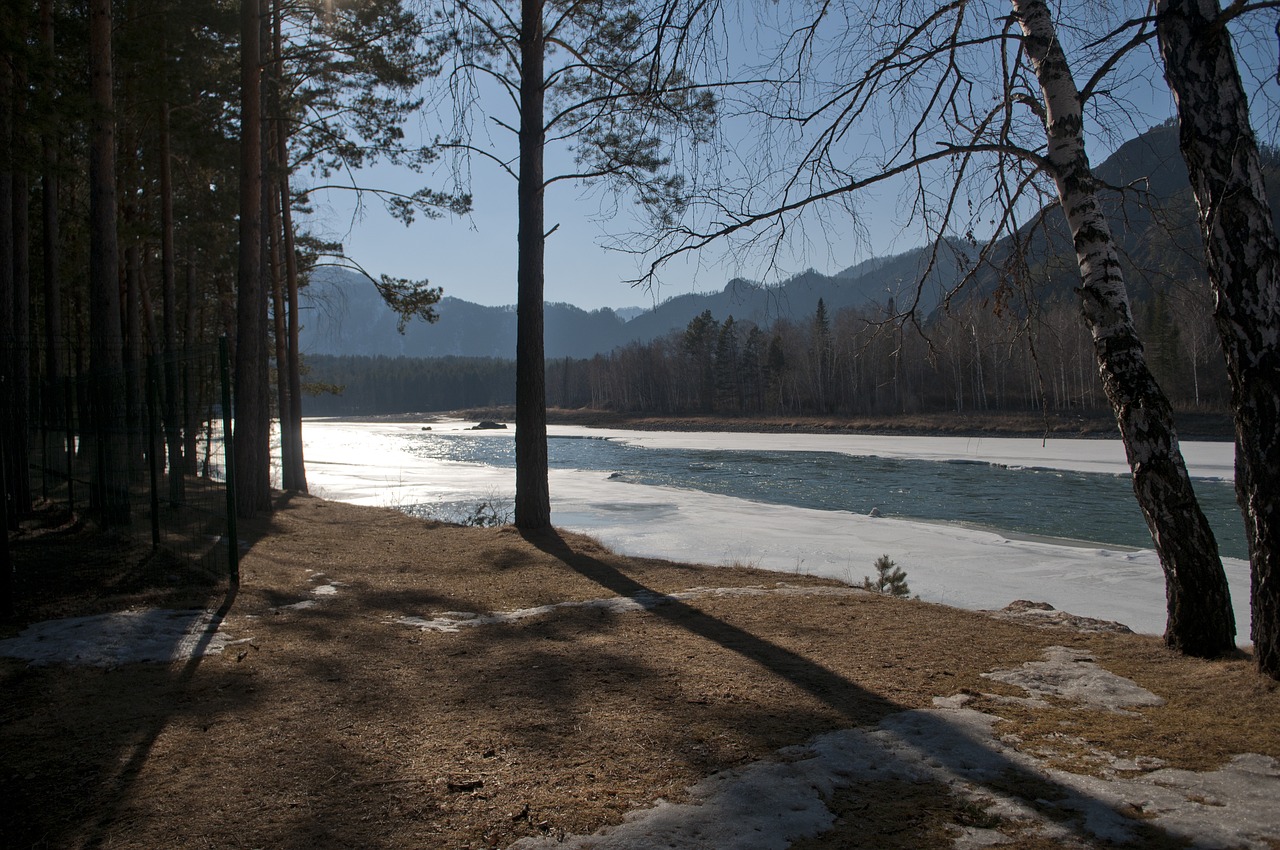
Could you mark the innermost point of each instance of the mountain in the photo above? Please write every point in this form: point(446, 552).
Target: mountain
point(1151, 209)
point(346, 315)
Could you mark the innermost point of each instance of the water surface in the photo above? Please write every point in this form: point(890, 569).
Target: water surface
point(1087, 507)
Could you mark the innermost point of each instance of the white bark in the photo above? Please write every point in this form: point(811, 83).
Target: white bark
point(1201, 621)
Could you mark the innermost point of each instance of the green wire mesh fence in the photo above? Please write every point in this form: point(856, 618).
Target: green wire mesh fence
point(116, 483)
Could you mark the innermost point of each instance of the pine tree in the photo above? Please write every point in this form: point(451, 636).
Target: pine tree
point(611, 82)
point(890, 579)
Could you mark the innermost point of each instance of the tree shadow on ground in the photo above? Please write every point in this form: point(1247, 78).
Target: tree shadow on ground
point(115, 713)
point(961, 749)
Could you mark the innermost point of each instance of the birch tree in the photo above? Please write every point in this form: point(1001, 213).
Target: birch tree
point(1243, 254)
point(976, 111)
point(1200, 618)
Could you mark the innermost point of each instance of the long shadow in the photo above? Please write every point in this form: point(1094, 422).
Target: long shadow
point(847, 697)
point(115, 789)
point(88, 821)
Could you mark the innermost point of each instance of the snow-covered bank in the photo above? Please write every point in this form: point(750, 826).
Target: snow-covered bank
point(371, 463)
point(1204, 459)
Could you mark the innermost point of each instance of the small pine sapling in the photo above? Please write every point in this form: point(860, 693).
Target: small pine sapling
point(890, 579)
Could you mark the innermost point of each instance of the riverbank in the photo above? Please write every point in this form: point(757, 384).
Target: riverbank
point(389, 682)
point(1191, 426)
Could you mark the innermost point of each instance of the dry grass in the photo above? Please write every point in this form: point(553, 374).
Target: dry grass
point(337, 727)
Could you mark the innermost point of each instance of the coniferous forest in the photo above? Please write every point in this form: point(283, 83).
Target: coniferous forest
point(854, 363)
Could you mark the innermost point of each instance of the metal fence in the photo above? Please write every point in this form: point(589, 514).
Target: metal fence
point(125, 489)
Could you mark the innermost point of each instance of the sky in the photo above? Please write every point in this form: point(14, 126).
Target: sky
point(474, 257)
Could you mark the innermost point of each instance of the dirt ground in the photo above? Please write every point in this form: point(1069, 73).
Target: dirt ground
point(334, 725)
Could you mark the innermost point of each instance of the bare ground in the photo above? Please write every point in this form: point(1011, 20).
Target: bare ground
point(336, 726)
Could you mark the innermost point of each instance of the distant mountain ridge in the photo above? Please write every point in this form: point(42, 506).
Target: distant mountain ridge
point(348, 317)
point(1154, 221)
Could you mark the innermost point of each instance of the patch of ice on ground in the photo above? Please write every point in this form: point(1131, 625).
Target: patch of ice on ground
point(770, 804)
point(452, 621)
point(1072, 674)
point(127, 637)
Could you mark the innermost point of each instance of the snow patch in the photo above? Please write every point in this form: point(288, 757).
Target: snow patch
point(1071, 674)
point(318, 592)
point(127, 637)
point(452, 621)
point(770, 804)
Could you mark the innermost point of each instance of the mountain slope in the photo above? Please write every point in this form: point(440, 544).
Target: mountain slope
point(1151, 210)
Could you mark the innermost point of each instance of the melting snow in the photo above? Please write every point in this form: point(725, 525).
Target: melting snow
point(109, 640)
point(769, 804)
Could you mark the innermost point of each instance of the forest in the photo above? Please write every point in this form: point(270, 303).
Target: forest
point(854, 363)
point(156, 175)
point(157, 161)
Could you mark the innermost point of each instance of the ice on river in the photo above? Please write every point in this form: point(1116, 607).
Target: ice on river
point(370, 463)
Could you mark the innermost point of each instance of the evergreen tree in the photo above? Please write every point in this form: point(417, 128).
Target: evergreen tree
point(699, 343)
point(728, 374)
point(822, 358)
point(611, 81)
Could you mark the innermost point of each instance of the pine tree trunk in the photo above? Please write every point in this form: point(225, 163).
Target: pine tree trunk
point(252, 391)
point(8, 328)
point(135, 416)
point(276, 273)
point(55, 368)
point(169, 316)
point(1243, 255)
point(110, 486)
point(296, 460)
point(294, 472)
point(533, 499)
point(19, 472)
point(190, 381)
point(1200, 618)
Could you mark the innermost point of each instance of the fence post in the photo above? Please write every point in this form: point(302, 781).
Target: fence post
point(68, 390)
point(228, 461)
point(153, 461)
point(6, 560)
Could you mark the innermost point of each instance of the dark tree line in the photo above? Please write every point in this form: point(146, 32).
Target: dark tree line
point(855, 363)
point(861, 362)
point(152, 159)
point(356, 386)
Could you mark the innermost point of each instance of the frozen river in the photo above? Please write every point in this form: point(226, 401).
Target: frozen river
point(975, 522)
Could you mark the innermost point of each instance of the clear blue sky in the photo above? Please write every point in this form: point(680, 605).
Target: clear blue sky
point(474, 258)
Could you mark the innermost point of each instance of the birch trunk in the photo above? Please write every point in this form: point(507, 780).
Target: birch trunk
point(533, 500)
point(1200, 619)
point(1243, 255)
